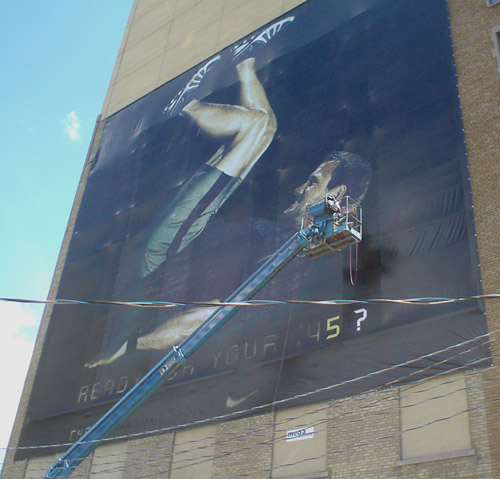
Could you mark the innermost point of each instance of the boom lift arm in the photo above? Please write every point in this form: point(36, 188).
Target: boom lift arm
point(329, 226)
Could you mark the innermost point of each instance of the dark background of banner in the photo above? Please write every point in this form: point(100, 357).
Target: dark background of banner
point(374, 78)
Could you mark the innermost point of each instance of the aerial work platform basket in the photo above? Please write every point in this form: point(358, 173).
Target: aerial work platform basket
point(339, 224)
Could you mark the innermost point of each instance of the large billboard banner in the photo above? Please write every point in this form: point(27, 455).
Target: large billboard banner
point(198, 182)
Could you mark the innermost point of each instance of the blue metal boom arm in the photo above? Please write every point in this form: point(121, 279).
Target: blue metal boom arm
point(320, 232)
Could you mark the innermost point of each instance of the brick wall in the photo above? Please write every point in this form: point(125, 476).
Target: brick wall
point(244, 447)
point(479, 85)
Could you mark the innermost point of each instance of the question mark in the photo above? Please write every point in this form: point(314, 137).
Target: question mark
point(364, 314)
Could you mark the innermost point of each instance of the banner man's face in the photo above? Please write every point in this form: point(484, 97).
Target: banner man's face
point(316, 186)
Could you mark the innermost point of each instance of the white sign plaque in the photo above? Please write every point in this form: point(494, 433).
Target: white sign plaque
point(298, 434)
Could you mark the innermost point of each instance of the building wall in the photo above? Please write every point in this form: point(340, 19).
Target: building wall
point(164, 38)
point(479, 86)
point(359, 436)
point(11, 469)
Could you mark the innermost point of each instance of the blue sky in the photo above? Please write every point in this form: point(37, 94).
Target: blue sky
point(57, 58)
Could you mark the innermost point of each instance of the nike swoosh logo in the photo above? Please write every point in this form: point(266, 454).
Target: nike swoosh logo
point(230, 402)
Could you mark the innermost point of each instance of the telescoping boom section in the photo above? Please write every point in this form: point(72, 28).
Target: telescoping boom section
point(328, 226)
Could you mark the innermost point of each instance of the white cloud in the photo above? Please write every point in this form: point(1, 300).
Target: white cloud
point(72, 125)
point(18, 324)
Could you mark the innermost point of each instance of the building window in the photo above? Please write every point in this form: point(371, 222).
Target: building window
point(194, 449)
point(435, 420)
point(299, 447)
point(38, 466)
point(495, 38)
point(109, 461)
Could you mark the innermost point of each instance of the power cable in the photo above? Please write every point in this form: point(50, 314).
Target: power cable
point(288, 419)
point(423, 301)
point(485, 337)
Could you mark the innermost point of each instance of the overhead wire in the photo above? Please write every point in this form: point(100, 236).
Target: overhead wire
point(152, 461)
point(377, 440)
point(423, 301)
point(486, 339)
point(374, 441)
point(329, 419)
point(420, 301)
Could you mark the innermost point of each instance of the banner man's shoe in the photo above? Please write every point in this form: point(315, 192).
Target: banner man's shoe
point(259, 39)
point(186, 94)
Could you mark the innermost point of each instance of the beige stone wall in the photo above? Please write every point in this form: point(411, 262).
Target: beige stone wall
point(164, 38)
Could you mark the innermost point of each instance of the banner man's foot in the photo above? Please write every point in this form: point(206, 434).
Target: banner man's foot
point(186, 94)
point(102, 361)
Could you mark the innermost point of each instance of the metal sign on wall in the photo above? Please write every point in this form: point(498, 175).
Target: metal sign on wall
point(199, 181)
